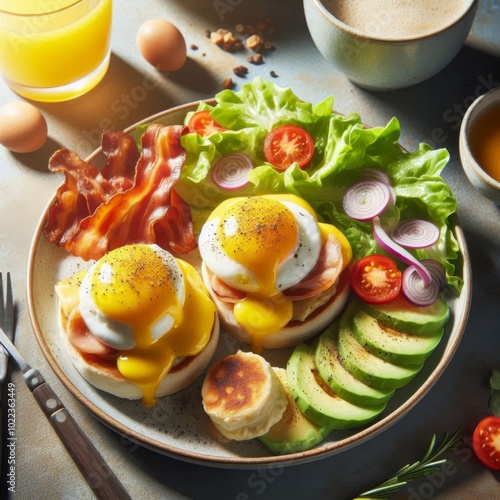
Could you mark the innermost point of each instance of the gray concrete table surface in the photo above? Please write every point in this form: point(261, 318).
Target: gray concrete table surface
point(132, 90)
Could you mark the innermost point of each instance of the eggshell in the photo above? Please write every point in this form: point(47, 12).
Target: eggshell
point(23, 128)
point(162, 45)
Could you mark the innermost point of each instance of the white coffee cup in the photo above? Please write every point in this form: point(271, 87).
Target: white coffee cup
point(389, 44)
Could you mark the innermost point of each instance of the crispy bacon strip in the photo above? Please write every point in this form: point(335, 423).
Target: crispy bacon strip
point(131, 200)
point(149, 212)
point(122, 155)
point(85, 188)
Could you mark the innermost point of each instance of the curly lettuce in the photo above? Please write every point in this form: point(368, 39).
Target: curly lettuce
point(343, 148)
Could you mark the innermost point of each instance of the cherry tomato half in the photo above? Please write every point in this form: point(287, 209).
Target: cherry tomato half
point(287, 144)
point(486, 442)
point(203, 124)
point(375, 279)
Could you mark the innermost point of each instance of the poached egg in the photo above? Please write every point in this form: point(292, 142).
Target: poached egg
point(150, 306)
point(262, 245)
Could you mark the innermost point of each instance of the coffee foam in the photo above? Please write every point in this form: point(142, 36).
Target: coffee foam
point(390, 19)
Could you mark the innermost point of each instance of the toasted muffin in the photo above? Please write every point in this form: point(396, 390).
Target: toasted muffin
point(243, 396)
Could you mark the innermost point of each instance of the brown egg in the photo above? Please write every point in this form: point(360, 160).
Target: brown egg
point(23, 128)
point(162, 45)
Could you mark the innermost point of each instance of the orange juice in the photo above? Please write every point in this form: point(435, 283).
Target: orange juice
point(484, 139)
point(54, 49)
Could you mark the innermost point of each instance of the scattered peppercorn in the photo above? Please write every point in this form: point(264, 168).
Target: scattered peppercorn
point(240, 71)
point(255, 59)
point(254, 42)
point(228, 83)
point(226, 40)
point(253, 37)
point(256, 34)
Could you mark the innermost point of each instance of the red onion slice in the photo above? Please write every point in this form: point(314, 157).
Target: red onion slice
point(386, 243)
point(416, 291)
point(231, 171)
point(415, 233)
point(366, 199)
point(436, 270)
point(379, 175)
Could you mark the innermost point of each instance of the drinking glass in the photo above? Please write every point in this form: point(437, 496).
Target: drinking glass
point(54, 50)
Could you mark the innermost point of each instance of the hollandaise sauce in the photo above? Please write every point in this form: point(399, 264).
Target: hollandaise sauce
point(260, 234)
point(165, 304)
point(263, 246)
point(484, 139)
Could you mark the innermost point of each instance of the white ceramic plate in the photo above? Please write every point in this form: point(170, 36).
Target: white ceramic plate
point(177, 425)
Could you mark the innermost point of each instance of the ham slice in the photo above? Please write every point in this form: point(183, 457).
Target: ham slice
point(323, 275)
point(82, 339)
point(225, 292)
point(321, 278)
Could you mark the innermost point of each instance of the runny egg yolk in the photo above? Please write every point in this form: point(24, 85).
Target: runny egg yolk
point(263, 246)
point(260, 233)
point(133, 285)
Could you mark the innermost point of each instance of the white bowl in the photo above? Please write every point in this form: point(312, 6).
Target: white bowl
point(375, 61)
point(486, 185)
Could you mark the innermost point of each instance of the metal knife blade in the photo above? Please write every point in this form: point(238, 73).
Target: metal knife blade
point(94, 468)
point(6, 322)
point(14, 353)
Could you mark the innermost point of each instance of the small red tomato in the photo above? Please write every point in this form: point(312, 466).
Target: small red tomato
point(375, 279)
point(486, 442)
point(203, 124)
point(287, 144)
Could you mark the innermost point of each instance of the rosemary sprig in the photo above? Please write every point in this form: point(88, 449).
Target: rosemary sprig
point(428, 464)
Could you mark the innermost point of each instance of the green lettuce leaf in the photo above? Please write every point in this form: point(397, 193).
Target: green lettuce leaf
point(344, 147)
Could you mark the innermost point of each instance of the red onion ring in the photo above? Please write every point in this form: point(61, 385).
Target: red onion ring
point(379, 175)
point(416, 291)
point(366, 199)
point(415, 233)
point(231, 171)
point(387, 244)
point(436, 270)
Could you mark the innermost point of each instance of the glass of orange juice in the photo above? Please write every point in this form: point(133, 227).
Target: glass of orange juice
point(54, 50)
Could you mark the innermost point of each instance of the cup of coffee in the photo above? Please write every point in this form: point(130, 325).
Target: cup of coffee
point(389, 44)
point(54, 50)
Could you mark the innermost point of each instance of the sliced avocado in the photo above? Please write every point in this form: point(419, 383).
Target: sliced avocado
point(402, 315)
point(317, 401)
point(393, 345)
point(364, 365)
point(338, 378)
point(294, 432)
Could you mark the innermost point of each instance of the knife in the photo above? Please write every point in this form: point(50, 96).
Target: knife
point(95, 470)
point(7, 314)
point(7, 323)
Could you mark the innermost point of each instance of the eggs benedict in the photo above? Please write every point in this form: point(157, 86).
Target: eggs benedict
point(275, 273)
point(139, 323)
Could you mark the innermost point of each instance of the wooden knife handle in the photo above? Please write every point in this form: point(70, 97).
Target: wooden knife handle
point(95, 470)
